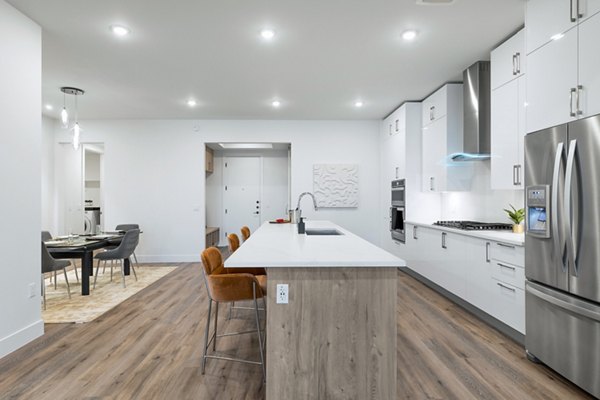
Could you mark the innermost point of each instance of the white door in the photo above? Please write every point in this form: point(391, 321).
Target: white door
point(508, 60)
point(589, 65)
point(434, 156)
point(505, 132)
point(546, 18)
point(69, 181)
point(551, 78)
point(241, 193)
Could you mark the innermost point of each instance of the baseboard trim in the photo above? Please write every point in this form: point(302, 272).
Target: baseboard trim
point(21, 337)
point(167, 258)
point(482, 315)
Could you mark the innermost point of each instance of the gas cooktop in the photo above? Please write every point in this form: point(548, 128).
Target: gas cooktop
point(475, 226)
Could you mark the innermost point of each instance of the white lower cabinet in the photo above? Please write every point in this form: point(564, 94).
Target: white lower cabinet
point(487, 274)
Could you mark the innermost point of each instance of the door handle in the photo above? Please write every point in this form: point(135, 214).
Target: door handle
point(518, 174)
point(505, 245)
point(415, 233)
point(554, 222)
point(579, 13)
point(432, 112)
point(506, 266)
point(518, 63)
point(514, 71)
point(571, 248)
point(512, 289)
point(577, 107)
point(487, 252)
point(444, 240)
point(514, 175)
point(557, 300)
point(571, 112)
point(431, 183)
point(573, 19)
point(397, 125)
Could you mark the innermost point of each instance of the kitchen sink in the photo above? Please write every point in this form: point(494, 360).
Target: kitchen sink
point(323, 232)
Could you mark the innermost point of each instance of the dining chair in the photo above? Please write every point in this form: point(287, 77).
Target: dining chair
point(51, 264)
point(120, 253)
point(224, 286)
point(245, 232)
point(116, 241)
point(47, 236)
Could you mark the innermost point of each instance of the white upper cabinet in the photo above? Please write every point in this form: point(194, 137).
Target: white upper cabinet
point(546, 18)
point(435, 106)
point(508, 60)
point(508, 131)
point(442, 135)
point(589, 66)
point(562, 83)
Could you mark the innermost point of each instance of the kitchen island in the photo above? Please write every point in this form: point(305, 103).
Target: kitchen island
point(336, 337)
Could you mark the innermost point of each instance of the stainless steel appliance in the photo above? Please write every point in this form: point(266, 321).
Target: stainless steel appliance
point(562, 250)
point(398, 210)
point(474, 226)
point(91, 220)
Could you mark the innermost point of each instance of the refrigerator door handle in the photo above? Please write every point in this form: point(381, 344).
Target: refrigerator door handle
point(574, 308)
point(571, 246)
point(558, 243)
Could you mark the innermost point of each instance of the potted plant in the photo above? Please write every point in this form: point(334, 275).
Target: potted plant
point(517, 217)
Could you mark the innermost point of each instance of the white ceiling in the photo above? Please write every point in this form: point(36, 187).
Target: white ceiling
point(326, 54)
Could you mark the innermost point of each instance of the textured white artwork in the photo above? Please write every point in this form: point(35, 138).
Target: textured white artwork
point(335, 185)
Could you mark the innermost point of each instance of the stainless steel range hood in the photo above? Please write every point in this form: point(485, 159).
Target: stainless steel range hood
point(476, 97)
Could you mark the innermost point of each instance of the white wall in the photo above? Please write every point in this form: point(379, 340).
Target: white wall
point(49, 222)
point(20, 166)
point(481, 203)
point(274, 190)
point(154, 173)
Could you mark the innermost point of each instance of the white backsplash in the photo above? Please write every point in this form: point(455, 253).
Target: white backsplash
point(481, 203)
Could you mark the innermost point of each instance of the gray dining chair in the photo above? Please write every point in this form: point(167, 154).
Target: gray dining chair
point(120, 253)
point(50, 264)
point(116, 241)
point(47, 236)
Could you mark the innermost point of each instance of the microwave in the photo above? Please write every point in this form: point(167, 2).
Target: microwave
point(398, 210)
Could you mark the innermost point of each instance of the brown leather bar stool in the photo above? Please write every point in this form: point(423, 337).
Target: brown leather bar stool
point(225, 286)
point(245, 232)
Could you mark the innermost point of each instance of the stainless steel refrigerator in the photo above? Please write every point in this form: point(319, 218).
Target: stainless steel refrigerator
point(562, 250)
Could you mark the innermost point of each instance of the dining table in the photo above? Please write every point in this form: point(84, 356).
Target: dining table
point(82, 247)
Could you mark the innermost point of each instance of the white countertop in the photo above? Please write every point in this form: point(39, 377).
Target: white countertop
point(280, 245)
point(508, 237)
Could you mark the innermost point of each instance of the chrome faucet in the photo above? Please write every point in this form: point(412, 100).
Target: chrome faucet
point(311, 195)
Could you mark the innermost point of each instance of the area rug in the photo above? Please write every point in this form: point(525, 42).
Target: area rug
point(79, 309)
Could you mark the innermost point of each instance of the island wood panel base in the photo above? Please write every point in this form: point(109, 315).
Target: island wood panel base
point(336, 338)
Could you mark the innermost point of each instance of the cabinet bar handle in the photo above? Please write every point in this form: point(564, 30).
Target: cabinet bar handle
point(487, 252)
point(512, 289)
point(505, 245)
point(514, 64)
point(415, 233)
point(518, 63)
point(579, 13)
point(571, 112)
point(444, 240)
point(514, 175)
point(578, 109)
point(397, 126)
point(431, 180)
point(506, 266)
point(573, 19)
point(431, 113)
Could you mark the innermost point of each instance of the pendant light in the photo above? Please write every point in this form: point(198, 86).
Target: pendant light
point(64, 115)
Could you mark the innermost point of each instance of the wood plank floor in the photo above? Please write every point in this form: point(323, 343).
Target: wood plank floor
point(149, 347)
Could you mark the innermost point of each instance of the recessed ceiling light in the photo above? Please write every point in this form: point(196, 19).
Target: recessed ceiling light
point(358, 104)
point(49, 107)
point(120, 30)
point(192, 103)
point(557, 36)
point(246, 145)
point(267, 34)
point(276, 103)
point(409, 35)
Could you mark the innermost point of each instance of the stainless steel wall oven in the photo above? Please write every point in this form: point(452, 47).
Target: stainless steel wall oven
point(398, 210)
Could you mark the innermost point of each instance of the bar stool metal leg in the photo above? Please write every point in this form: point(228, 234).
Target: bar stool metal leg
point(216, 317)
point(205, 335)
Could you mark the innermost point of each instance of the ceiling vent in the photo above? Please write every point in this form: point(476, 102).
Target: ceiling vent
point(434, 2)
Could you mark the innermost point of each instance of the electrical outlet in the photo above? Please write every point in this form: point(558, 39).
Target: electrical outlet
point(31, 290)
point(282, 293)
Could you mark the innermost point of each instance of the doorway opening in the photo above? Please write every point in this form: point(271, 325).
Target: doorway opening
point(245, 186)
